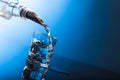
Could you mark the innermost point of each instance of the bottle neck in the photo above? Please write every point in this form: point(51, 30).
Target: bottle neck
point(14, 9)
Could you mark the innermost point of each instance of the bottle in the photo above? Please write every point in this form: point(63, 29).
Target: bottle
point(10, 8)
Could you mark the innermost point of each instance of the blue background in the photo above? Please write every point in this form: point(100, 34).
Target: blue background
point(88, 34)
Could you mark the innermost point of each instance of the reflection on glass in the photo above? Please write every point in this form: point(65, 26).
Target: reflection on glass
point(39, 56)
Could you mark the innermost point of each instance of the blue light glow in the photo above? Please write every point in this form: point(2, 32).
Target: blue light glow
point(16, 34)
point(87, 32)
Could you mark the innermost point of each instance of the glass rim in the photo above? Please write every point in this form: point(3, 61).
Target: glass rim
point(40, 33)
point(37, 33)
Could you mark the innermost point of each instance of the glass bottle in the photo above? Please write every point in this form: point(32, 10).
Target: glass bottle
point(9, 8)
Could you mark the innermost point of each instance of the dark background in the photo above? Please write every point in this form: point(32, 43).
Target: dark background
point(92, 40)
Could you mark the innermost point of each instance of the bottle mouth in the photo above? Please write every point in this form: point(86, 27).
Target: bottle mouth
point(29, 14)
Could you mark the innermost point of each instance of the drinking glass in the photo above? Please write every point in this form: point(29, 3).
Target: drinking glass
point(38, 60)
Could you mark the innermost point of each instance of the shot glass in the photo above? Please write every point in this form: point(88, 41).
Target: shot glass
point(38, 60)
